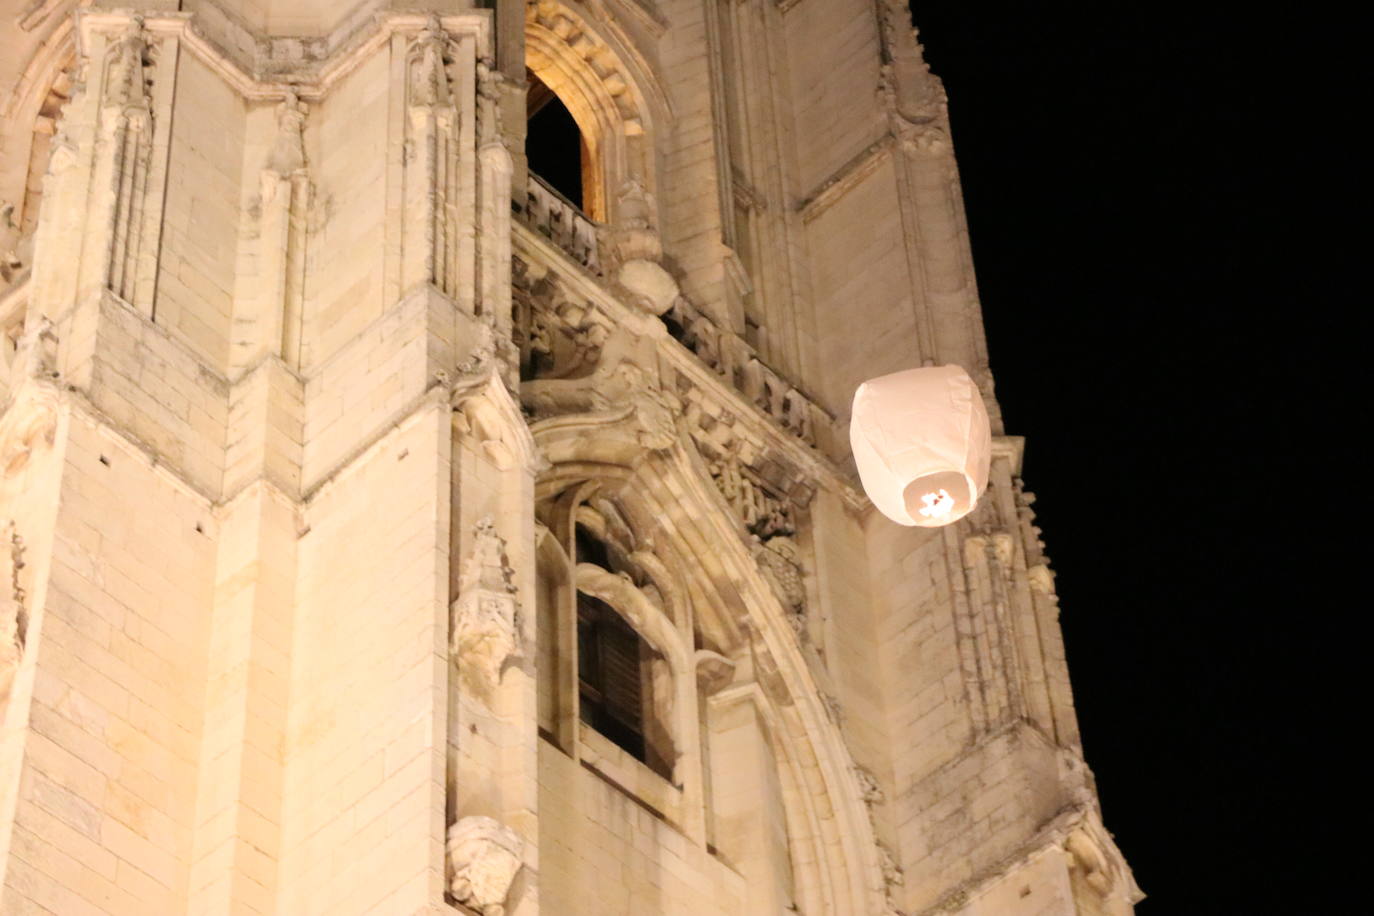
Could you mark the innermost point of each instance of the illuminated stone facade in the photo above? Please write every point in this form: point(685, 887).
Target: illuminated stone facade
point(381, 532)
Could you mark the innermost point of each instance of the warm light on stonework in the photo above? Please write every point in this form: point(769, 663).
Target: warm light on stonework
point(922, 443)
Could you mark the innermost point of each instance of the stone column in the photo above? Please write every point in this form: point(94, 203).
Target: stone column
point(285, 201)
point(492, 742)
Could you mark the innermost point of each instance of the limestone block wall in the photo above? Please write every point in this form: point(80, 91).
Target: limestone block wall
point(152, 383)
point(372, 378)
point(106, 789)
point(197, 263)
point(866, 313)
point(851, 640)
point(601, 853)
point(275, 418)
point(833, 51)
point(362, 787)
point(29, 488)
point(347, 142)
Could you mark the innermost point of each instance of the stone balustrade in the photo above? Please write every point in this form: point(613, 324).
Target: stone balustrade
point(561, 222)
point(731, 357)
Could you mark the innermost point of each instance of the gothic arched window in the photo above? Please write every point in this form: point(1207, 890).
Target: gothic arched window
point(610, 675)
point(555, 147)
point(603, 640)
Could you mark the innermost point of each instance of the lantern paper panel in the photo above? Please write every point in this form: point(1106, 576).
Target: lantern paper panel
point(922, 442)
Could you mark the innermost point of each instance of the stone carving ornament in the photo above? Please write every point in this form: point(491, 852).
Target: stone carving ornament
point(484, 856)
point(13, 617)
point(781, 561)
point(764, 515)
point(484, 625)
point(287, 157)
point(429, 82)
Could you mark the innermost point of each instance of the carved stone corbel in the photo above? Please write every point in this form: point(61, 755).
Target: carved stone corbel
point(714, 671)
point(287, 156)
point(11, 264)
point(1087, 858)
point(484, 856)
point(484, 410)
point(1041, 579)
point(655, 408)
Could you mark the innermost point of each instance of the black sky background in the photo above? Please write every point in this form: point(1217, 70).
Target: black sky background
point(1163, 228)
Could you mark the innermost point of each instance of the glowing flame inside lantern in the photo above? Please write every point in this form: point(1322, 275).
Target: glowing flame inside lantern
point(937, 504)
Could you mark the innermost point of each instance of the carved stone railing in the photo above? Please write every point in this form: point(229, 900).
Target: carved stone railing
point(736, 361)
point(561, 222)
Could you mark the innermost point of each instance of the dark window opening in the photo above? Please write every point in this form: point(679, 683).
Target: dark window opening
point(553, 144)
point(591, 549)
point(610, 676)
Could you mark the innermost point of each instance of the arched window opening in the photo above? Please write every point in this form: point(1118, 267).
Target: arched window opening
point(44, 128)
point(19, 216)
point(591, 549)
point(554, 145)
point(610, 668)
point(615, 688)
point(623, 683)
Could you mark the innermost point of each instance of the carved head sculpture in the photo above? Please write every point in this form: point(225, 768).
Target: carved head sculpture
point(483, 856)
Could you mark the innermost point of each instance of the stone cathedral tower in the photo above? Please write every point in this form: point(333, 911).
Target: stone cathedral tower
point(424, 484)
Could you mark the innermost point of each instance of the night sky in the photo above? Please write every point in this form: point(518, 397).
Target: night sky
point(1151, 192)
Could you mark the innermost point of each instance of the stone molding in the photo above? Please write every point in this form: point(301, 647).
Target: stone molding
point(262, 68)
point(567, 315)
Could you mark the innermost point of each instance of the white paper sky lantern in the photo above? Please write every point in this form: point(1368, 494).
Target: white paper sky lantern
point(922, 442)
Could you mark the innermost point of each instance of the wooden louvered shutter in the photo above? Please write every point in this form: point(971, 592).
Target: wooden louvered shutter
point(620, 679)
point(611, 691)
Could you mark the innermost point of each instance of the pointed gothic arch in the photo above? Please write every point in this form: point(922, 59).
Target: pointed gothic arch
point(29, 123)
point(735, 622)
point(610, 92)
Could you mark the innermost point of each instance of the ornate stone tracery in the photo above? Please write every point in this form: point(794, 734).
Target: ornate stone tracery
point(431, 173)
point(127, 122)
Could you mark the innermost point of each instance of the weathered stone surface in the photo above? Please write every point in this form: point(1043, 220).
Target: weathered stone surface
point(382, 533)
